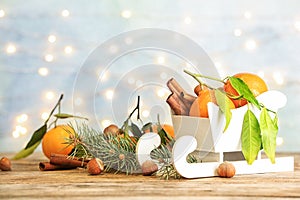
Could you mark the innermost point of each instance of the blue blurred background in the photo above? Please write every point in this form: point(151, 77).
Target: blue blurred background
point(44, 44)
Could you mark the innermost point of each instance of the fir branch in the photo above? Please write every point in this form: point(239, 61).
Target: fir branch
point(117, 152)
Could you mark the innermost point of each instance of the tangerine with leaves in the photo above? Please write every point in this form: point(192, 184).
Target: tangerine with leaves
point(256, 85)
point(56, 140)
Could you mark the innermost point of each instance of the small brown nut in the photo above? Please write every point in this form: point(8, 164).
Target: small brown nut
point(95, 166)
point(226, 170)
point(111, 129)
point(149, 167)
point(5, 164)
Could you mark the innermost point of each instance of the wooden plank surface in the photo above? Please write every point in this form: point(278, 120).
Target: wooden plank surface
point(25, 181)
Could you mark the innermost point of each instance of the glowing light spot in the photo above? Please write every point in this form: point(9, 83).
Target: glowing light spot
point(68, 50)
point(297, 25)
point(160, 60)
point(278, 77)
point(105, 123)
point(21, 130)
point(49, 57)
point(126, 14)
point(50, 95)
point(15, 134)
point(161, 92)
point(250, 44)
point(131, 80)
point(145, 113)
point(109, 94)
point(104, 76)
point(187, 20)
point(237, 32)
point(22, 118)
point(44, 115)
point(279, 141)
point(2, 13)
point(247, 15)
point(11, 49)
point(65, 13)
point(51, 38)
point(43, 71)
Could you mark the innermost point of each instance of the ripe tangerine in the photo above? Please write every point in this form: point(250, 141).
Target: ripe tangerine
point(55, 140)
point(256, 84)
point(199, 106)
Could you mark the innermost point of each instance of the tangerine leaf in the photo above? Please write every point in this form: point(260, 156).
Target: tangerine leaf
point(269, 132)
point(251, 138)
point(147, 126)
point(26, 152)
point(224, 104)
point(37, 136)
point(135, 130)
point(243, 90)
point(65, 116)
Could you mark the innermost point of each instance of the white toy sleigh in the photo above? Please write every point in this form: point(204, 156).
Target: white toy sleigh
point(205, 138)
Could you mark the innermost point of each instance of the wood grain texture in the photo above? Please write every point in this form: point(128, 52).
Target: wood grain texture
point(25, 181)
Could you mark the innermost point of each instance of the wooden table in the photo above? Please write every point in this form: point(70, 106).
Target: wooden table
point(25, 181)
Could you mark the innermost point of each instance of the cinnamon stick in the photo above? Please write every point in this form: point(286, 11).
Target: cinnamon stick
point(177, 105)
point(47, 166)
point(175, 87)
point(64, 160)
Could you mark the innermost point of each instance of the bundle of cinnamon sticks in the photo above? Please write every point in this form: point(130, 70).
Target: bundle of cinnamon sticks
point(61, 162)
point(179, 100)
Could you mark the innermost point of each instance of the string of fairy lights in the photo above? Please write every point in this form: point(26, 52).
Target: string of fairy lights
point(12, 48)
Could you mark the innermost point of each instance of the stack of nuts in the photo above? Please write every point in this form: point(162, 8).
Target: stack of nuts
point(5, 164)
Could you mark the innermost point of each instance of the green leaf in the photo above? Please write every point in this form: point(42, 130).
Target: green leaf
point(251, 138)
point(224, 104)
point(65, 115)
point(147, 126)
point(242, 89)
point(135, 130)
point(269, 132)
point(26, 152)
point(37, 136)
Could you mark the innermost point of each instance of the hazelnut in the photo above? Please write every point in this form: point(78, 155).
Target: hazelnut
point(149, 167)
point(95, 166)
point(111, 129)
point(226, 170)
point(5, 164)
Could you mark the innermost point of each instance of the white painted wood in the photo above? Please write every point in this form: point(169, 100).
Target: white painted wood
point(145, 145)
point(187, 144)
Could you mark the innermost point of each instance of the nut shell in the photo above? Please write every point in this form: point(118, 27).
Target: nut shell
point(149, 167)
point(226, 170)
point(95, 166)
point(5, 164)
point(111, 129)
